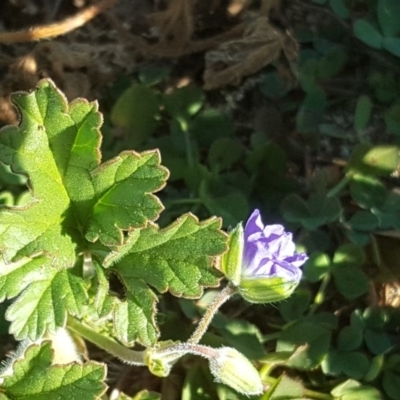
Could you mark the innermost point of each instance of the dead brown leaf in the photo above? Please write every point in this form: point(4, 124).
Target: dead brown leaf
point(261, 45)
point(390, 294)
point(269, 5)
point(175, 24)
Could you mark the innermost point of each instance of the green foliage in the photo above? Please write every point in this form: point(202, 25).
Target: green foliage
point(388, 17)
point(140, 120)
point(35, 377)
point(374, 160)
point(285, 388)
point(317, 267)
point(169, 260)
point(350, 280)
point(84, 222)
point(352, 390)
point(318, 210)
point(294, 307)
point(362, 113)
point(83, 209)
point(368, 33)
point(381, 30)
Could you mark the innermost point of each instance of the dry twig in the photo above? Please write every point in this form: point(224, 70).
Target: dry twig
point(58, 28)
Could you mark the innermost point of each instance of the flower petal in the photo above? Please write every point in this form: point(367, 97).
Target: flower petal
point(254, 224)
point(269, 251)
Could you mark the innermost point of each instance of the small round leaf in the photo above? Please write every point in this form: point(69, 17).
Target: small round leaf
point(367, 33)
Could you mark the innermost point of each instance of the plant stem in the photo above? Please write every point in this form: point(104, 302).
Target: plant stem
point(340, 186)
point(376, 255)
point(189, 150)
point(320, 296)
point(270, 337)
point(309, 394)
point(172, 353)
point(205, 321)
point(123, 353)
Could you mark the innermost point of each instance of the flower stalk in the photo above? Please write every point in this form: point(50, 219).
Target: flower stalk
point(212, 309)
point(103, 342)
point(227, 365)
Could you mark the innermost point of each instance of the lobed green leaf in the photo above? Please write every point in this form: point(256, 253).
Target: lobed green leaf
point(177, 259)
point(75, 201)
point(35, 378)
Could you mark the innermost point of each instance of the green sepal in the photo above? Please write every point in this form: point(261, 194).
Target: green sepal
point(159, 360)
point(231, 263)
point(266, 290)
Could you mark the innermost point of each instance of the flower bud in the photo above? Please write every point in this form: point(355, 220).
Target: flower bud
point(262, 261)
point(266, 290)
point(157, 365)
point(235, 370)
point(160, 359)
point(231, 263)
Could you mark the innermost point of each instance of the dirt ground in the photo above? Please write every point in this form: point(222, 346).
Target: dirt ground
point(216, 43)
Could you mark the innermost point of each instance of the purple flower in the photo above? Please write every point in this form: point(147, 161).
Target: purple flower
point(269, 251)
point(261, 261)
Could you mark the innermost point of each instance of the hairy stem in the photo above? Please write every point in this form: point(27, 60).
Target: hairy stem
point(212, 309)
point(178, 350)
point(123, 353)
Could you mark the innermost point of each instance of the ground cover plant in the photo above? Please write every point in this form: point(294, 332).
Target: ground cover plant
point(150, 239)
